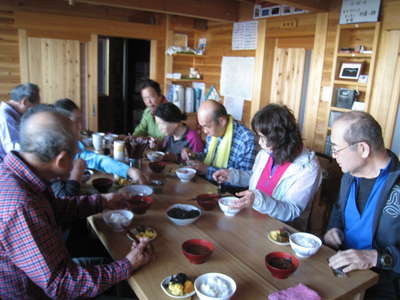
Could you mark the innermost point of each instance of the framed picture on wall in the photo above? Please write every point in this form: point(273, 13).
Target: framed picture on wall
point(350, 70)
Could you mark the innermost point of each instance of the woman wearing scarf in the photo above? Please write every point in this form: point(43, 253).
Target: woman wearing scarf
point(285, 175)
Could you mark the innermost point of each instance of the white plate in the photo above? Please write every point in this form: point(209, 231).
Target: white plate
point(167, 279)
point(276, 242)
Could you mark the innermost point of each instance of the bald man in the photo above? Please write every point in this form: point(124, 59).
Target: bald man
point(34, 262)
point(365, 222)
point(229, 144)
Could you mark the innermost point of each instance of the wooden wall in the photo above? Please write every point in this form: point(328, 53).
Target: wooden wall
point(54, 65)
point(385, 96)
point(87, 23)
point(219, 44)
point(9, 58)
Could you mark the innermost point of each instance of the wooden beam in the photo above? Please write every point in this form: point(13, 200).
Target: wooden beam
point(311, 5)
point(80, 26)
point(23, 55)
point(263, 69)
point(92, 99)
point(78, 10)
point(221, 10)
point(315, 79)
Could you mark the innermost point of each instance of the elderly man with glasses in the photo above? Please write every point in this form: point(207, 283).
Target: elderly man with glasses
point(365, 221)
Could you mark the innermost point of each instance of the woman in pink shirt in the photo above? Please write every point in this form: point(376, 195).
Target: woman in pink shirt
point(169, 119)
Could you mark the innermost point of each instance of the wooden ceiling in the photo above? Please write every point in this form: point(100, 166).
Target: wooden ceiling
point(215, 10)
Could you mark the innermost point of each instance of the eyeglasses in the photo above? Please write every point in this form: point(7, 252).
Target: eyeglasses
point(335, 152)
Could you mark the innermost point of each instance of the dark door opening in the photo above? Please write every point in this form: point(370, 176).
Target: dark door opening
point(122, 65)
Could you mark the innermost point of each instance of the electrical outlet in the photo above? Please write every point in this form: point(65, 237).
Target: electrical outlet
point(288, 24)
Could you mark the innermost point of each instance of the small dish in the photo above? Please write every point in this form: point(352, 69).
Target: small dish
point(139, 204)
point(270, 236)
point(102, 185)
point(118, 219)
point(155, 156)
point(207, 283)
point(197, 251)
point(166, 281)
point(142, 231)
point(225, 205)
point(281, 264)
point(181, 220)
point(138, 190)
point(304, 244)
point(86, 175)
point(157, 166)
point(185, 174)
point(207, 201)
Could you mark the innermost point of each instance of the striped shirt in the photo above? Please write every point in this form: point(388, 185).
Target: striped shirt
point(243, 150)
point(34, 262)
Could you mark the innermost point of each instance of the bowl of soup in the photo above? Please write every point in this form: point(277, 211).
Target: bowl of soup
point(281, 264)
point(197, 251)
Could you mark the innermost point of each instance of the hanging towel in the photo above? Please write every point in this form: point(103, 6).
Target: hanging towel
point(221, 157)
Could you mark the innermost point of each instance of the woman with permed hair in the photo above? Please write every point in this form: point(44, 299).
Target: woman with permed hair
point(285, 175)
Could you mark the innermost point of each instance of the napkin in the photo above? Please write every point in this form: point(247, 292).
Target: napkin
point(298, 292)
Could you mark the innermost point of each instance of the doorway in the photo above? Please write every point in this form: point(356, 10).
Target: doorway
point(122, 65)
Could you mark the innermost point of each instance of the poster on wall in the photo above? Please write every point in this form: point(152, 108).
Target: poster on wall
point(237, 76)
point(244, 35)
point(359, 11)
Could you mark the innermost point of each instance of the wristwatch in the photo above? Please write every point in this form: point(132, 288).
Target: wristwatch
point(386, 260)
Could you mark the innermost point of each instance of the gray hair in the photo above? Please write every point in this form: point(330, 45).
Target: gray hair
point(46, 133)
point(29, 91)
point(362, 128)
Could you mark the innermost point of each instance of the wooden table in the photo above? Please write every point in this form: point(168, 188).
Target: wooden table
point(241, 244)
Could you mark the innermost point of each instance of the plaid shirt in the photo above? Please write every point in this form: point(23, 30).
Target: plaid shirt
point(34, 262)
point(243, 150)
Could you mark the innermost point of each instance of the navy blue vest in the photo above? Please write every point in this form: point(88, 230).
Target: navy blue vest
point(358, 227)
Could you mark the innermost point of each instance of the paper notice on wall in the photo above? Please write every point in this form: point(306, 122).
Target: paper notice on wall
point(234, 106)
point(244, 35)
point(237, 76)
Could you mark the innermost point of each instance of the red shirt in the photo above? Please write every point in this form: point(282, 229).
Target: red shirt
point(34, 262)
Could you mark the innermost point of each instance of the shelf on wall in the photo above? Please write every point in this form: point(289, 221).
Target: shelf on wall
point(358, 25)
point(356, 55)
point(189, 55)
point(185, 80)
point(360, 86)
point(341, 109)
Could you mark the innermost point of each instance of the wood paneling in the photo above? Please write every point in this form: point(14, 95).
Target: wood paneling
point(219, 44)
point(385, 97)
point(287, 77)
point(315, 79)
point(92, 105)
point(9, 57)
point(54, 65)
point(262, 76)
